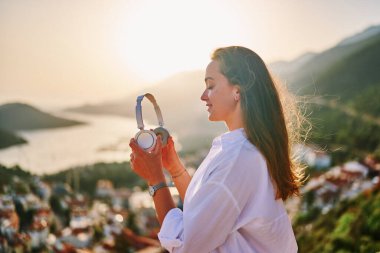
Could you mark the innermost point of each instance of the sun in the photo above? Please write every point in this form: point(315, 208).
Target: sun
point(158, 42)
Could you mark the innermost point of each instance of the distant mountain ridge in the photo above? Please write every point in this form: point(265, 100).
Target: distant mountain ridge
point(287, 68)
point(367, 33)
point(342, 85)
point(307, 77)
point(20, 116)
point(342, 71)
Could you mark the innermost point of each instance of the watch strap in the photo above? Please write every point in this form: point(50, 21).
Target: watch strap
point(158, 186)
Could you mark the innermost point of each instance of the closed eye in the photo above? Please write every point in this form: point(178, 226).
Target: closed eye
point(209, 83)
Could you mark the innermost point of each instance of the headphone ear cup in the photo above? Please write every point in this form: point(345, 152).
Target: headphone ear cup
point(146, 139)
point(164, 135)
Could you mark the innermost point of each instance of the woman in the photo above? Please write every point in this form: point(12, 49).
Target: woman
point(234, 202)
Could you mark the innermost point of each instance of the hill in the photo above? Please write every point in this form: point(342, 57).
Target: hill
point(8, 139)
point(346, 115)
point(325, 73)
point(341, 86)
point(19, 116)
point(350, 75)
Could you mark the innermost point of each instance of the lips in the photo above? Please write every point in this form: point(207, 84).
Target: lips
point(209, 106)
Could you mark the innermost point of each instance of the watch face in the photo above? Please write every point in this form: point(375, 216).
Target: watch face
point(151, 190)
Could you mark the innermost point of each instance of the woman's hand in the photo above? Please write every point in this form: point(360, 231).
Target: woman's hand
point(147, 165)
point(170, 158)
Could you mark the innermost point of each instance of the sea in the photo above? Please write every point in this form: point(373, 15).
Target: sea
point(104, 138)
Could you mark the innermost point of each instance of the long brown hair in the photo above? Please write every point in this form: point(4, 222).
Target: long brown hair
point(270, 115)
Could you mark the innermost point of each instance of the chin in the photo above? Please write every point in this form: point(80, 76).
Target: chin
point(212, 117)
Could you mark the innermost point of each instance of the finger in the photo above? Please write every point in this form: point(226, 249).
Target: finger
point(158, 144)
point(132, 142)
point(170, 143)
point(165, 148)
point(135, 147)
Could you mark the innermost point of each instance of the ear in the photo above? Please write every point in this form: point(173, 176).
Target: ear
point(236, 92)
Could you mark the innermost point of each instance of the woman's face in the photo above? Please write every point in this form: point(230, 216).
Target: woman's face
point(219, 95)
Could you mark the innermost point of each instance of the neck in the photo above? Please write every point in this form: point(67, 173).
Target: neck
point(236, 120)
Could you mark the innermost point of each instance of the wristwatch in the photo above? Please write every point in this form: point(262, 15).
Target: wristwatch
point(152, 189)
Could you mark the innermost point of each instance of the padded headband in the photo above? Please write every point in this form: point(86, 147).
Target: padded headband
point(139, 119)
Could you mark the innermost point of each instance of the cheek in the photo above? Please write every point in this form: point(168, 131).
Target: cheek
point(212, 93)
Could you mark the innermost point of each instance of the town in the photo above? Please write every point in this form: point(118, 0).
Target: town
point(37, 216)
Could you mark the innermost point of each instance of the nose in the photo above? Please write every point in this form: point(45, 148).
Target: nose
point(204, 96)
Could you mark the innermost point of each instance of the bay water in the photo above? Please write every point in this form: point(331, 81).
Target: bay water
point(104, 138)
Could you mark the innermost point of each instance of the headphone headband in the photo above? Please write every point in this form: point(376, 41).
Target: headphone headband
point(139, 119)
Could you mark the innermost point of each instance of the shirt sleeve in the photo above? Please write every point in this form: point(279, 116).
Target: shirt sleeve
point(204, 225)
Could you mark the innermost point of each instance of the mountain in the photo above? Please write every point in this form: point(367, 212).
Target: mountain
point(342, 85)
point(342, 71)
point(367, 33)
point(19, 116)
point(8, 139)
point(288, 68)
point(354, 71)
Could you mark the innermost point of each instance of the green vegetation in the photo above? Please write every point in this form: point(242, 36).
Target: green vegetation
point(120, 174)
point(366, 101)
point(7, 174)
point(344, 136)
point(349, 75)
point(346, 123)
point(346, 120)
point(352, 226)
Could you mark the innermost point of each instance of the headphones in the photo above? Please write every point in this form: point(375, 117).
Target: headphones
point(147, 139)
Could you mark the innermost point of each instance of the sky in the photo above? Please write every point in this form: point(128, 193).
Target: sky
point(65, 53)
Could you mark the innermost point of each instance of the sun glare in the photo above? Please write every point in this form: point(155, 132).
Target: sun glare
point(158, 42)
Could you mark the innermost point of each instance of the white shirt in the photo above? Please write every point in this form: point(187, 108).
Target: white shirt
point(230, 205)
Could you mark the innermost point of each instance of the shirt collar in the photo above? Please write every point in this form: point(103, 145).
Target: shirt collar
point(230, 137)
